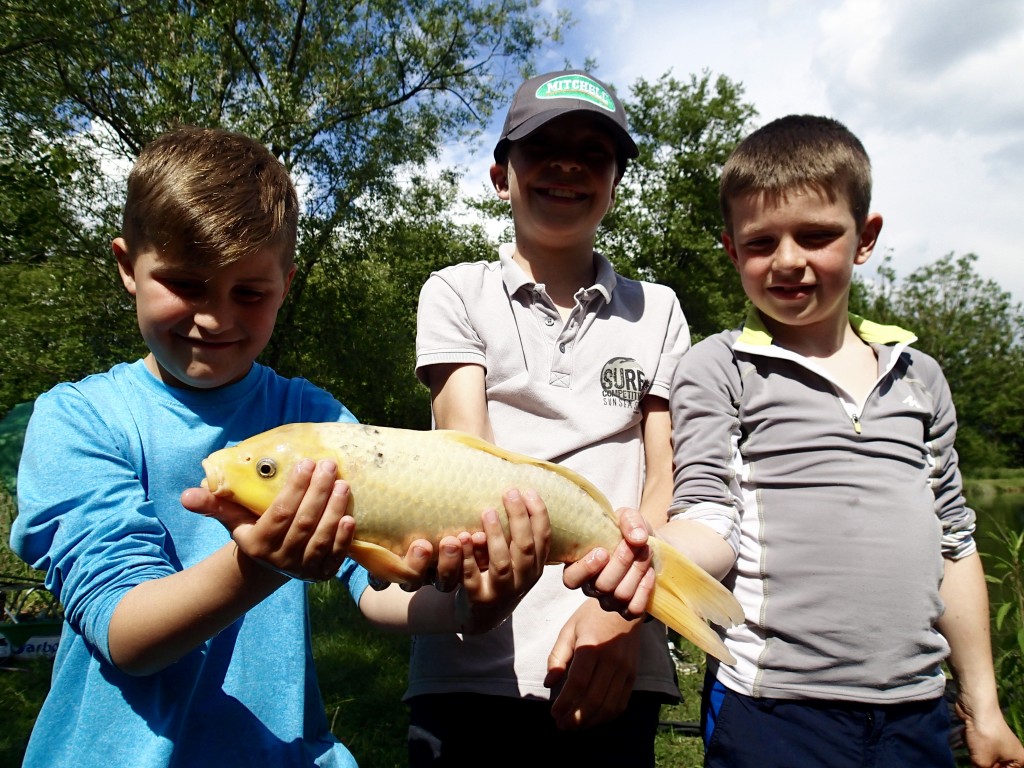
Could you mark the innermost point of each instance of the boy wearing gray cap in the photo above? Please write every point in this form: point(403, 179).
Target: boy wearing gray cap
point(548, 352)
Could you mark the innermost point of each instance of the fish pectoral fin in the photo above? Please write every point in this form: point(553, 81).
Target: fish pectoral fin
point(685, 595)
point(381, 562)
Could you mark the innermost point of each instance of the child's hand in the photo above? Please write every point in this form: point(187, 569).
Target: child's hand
point(621, 581)
point(497, 574)
point(306, 531)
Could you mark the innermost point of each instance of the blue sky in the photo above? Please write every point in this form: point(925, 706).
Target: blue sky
point(934, 89)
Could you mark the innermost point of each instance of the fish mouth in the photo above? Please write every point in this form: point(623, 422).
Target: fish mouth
point(214, 481)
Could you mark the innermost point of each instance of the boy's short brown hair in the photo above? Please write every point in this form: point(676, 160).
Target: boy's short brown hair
point(209, 196)
point(799, 152)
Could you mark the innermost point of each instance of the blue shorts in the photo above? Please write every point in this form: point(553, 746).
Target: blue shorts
point(744, 732)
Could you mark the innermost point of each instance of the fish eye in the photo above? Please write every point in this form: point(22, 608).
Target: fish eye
point(266, 468)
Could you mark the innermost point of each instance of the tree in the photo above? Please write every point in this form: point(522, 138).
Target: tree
point(976, 332)
point(354, 333)
point(347, 95)
point(666, 222)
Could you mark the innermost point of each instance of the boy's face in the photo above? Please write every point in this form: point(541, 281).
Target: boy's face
point(204, 326)
point(795, 257)
point(560, 180)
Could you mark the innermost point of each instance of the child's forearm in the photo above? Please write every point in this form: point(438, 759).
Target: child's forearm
point(701, 544)
point(965, 625)
point(159, 621)
point(429, 611)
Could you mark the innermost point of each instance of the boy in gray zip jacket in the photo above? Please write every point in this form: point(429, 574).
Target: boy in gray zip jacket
point(815, 473)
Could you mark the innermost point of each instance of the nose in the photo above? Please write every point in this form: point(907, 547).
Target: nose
point(211, 315)
point(564, 159)
point(789, 256)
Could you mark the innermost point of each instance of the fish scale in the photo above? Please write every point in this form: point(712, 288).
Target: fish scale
point(409, 484)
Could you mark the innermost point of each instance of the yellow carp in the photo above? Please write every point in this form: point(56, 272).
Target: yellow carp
point(409, 484)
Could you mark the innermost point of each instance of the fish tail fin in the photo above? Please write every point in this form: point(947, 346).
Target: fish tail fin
point(685, 596)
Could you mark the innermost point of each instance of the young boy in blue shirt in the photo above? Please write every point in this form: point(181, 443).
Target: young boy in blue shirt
point(815, 473)
point(182, 645)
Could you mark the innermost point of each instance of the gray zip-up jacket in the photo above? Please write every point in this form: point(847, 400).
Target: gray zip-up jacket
point(840, 512)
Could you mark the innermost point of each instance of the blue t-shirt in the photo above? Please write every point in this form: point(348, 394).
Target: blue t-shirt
point(103, 468)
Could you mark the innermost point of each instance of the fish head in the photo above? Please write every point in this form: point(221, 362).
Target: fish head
point(253, 472)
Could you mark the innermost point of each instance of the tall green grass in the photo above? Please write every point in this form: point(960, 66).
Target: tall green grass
point(1004, 568)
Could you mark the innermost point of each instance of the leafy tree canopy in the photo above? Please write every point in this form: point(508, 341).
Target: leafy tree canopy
point(976, 332)
point(666, 222)
point(347, 95)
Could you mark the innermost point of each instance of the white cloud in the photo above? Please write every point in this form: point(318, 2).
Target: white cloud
point(932, 89)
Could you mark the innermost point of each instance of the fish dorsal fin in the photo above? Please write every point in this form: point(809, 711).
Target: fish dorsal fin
point(472, 441)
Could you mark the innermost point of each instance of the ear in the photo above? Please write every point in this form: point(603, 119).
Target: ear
point(499, 178)
point(730, 248)
point(868, 238)
point(124, 264)
point(288, 280)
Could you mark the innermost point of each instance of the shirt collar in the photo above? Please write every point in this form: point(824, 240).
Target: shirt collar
point(756, 334)
point(515, 278)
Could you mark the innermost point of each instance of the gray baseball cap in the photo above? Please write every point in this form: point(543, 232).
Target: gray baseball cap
point(545, 97)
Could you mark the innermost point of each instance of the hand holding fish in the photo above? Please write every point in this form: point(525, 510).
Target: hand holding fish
point(306, 530)
point(621, 580)
point(490, 591)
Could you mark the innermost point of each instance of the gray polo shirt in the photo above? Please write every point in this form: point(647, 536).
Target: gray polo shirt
point(567, 392)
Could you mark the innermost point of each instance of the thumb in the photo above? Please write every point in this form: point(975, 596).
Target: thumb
point(227, 513)
point(560, 656)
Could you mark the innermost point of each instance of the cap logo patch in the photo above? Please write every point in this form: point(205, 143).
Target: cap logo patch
point(577, 87)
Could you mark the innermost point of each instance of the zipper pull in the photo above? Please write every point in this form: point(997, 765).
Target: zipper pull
point(856, 422)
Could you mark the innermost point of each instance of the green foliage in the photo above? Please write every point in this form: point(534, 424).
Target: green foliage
point(22, 691)
point(1004, 563)
point(976, 332)
point(63, 318)
point(354, 332)
point(350, 96)
point(666, 222)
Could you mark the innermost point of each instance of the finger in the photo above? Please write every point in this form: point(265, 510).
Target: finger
point(336, 514)
point(472, 574)
point(449, 564)
point(642, 597)
point(317, 541)
point(227, 513)
point(560, 657)
point(540, 526)
point(520, 544)
point(418, 558)
point(567, 708)
point(634, 526)
point(579, 575)
point(309, 535)
point(275, 523)
point(624, 572)
point(499, 557)
point(478, 540)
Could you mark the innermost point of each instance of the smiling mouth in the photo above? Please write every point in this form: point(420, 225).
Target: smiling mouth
point(210, 343)
point(563, 194)
point(791, 290)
